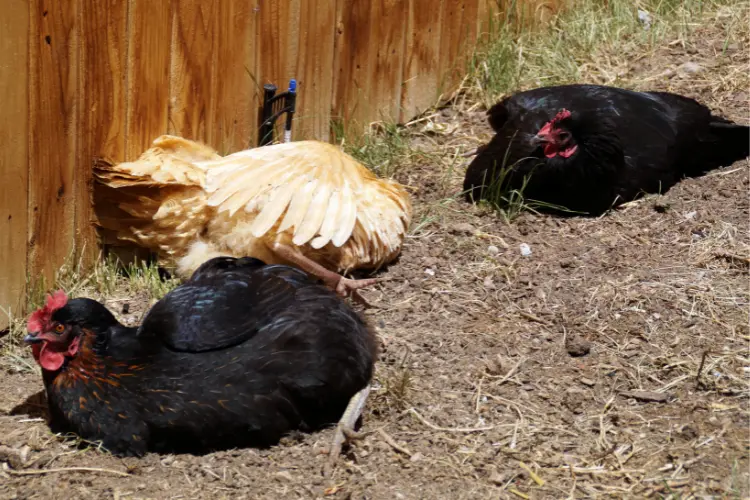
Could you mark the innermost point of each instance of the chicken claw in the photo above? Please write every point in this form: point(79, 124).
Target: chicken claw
point(345, 287)
point(345, 432)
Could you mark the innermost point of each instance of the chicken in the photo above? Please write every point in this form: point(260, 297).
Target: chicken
point(587, 148)
point(306, 204)
point(239, 355)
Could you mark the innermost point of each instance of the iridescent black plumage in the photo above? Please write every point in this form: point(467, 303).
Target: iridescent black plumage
point(629, 143)
point(238, 355)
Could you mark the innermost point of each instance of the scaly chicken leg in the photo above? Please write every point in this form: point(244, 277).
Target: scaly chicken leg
point(345, 429)
point(343, 286)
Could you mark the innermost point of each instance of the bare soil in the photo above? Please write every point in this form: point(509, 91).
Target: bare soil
point(611, 361)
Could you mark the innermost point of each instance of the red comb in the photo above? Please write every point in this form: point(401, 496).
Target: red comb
point(547, 128)
point(563, 114)
point(39, 319)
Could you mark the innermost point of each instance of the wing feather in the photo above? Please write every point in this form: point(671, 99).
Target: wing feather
point(313, 190)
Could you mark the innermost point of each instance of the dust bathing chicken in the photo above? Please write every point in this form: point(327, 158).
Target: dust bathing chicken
point(238, 355)
point(588, 148)
point(306, 204)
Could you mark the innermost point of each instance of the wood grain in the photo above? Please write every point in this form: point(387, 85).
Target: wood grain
point(351, 65)
point(234, 123)
point(53, 125)
point(147, 92)
point(386, 58)
point(487, 12)
point(421, 57)
point(14, 124)
point(192, 88)
point(102, 111)
point(314, 70)
point(279, 26)
point(458, 37)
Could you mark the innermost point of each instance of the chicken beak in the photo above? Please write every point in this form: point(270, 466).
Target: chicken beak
point(32, 339)
point(539, 140)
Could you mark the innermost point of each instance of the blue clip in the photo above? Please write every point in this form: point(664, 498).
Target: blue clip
point(292, 85)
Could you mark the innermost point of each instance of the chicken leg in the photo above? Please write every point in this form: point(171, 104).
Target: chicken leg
point(345, 429)
point(343, 286)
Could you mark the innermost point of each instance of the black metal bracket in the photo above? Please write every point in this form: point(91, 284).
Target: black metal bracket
point(269, 116)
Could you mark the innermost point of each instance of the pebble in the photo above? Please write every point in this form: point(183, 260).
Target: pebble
point(690, 68)
point(462, 228)
point(578, 347)
point(525, 249)
point(493, 249)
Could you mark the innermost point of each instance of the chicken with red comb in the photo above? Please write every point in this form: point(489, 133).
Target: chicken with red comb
point(587, 148)
point(238, 355)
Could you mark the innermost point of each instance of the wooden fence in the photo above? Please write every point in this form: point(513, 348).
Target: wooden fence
point(81, 79)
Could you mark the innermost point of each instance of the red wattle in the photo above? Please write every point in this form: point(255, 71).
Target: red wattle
point(51, 360)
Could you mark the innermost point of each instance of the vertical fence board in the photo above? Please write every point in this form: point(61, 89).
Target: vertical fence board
point(234, 122)
point(314, 70)
point(457, 39)
point(279, 26)
point(486, 11)
point(101, 127)
point(386, 63)
point(149, 39)
point(53, 57)
point(351, 72)
point(192, 89)
point(422, 53)
point(14, 94)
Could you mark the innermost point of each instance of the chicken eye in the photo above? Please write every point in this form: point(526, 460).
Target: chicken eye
point(563, 136)
point(59, 328)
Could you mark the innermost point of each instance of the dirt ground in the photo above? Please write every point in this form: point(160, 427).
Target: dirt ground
point(611, 361)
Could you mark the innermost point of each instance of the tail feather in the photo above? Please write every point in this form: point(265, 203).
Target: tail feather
point(157, 201)
point(732, 141)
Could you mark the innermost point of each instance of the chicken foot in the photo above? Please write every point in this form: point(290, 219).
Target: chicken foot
point(345, 429)
point(343, 286)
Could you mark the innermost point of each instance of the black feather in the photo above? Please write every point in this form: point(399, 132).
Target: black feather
point(240, 354)
point(630, 143)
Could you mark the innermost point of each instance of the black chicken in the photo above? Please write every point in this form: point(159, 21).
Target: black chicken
point(587, 148)
point(239, 355)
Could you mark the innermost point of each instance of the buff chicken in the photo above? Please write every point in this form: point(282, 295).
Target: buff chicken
point(306, 204)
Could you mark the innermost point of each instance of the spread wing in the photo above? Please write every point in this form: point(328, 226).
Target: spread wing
point(310, 188)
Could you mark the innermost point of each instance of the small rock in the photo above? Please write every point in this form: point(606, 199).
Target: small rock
point(429, 272)
point(285, 475)
point(689, 433)
point(429, 261)
point(645, 18)
point(125, 308)
point(416, 457)
point(462, 228)
point(587, 381)
point(488, 283)
point(690, 68)
point(493, 249)
point(525, 249)
point(648, 396)
point(494, 366)
point(498, 478)
point(577, 347)
point(691, 215)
